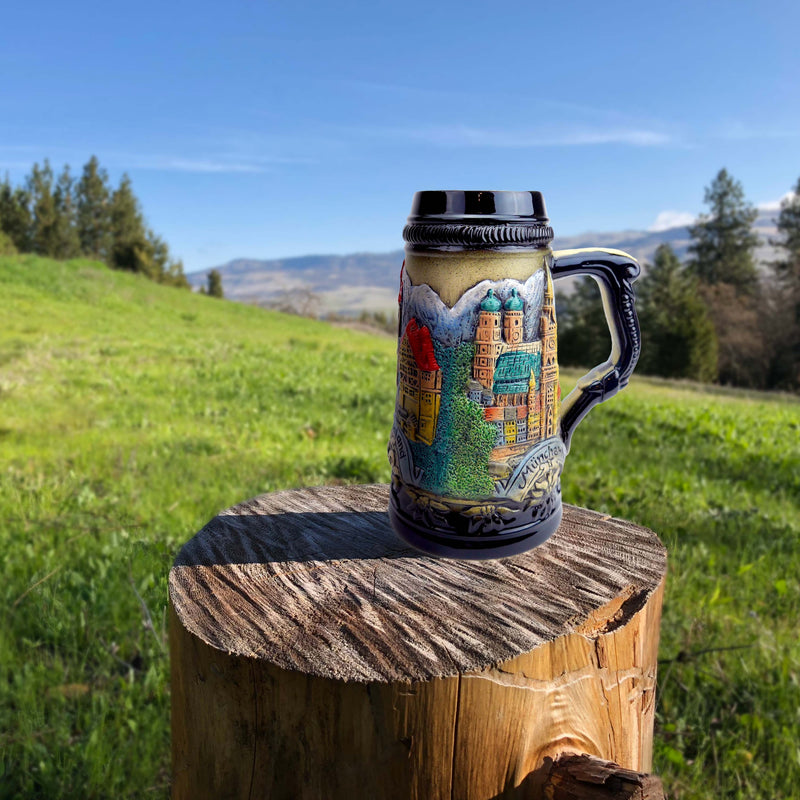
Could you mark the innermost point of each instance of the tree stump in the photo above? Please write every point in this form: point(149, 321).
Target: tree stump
point(315, 655)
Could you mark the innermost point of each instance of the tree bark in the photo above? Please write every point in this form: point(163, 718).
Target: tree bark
point(315, 655)
point(572, 777)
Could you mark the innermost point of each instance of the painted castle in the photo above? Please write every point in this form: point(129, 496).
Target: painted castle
point(419, 379)
point(516, 381)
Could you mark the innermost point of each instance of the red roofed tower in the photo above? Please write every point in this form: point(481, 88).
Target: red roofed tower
point(421, 346)
point(419, 378)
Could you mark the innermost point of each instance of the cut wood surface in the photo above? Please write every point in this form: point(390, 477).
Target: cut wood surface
point(314, 654)
point(315, 580)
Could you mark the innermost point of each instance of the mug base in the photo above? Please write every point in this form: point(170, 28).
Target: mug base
point(513, 542)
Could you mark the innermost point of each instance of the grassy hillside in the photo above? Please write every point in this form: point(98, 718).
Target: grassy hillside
point(130, 413)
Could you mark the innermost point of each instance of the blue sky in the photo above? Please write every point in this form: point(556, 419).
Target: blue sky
point(265, 130)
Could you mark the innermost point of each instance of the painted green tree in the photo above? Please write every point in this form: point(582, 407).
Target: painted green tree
point(457, 463)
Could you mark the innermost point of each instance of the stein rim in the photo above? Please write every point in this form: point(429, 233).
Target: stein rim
point(476, 206)
point(466, 219)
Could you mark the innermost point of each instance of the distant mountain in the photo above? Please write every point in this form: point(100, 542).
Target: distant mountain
point(341, 284)
point(642, 244)
point(369, 281)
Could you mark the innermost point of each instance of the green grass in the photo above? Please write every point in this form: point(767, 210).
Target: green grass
point(131, 413)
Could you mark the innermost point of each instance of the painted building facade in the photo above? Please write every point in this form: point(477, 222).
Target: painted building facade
point(516, 381)
point(419, 384)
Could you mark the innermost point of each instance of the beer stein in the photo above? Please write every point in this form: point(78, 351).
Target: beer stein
point(480, 429)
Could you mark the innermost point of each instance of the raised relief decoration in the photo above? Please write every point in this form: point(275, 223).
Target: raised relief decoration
point(419, 382)
point(478, 396)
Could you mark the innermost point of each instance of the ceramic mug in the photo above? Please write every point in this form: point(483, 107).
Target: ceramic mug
point(480, 431)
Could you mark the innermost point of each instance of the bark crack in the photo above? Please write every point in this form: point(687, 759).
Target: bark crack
point(455, 741)
point(255, 730)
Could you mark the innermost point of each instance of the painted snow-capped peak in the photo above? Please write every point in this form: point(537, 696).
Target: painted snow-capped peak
point(451, 326)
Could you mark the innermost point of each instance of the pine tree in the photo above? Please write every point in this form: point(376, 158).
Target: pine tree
point(159, 254)
point(44, 233)
point(175, 276)
point(786, 300)
point(583, 337)
point(169, 271)
point(66, 241)
point(130, 248)
point(92, 211)
point(723, 242)
point(743, 352)
point(678, 339)
point(787, 269)
point(7, 247)
point(15, 215)
point(63, 219)
point(215, 284)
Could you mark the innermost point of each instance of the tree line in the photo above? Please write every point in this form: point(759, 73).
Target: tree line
point(66, 217)
point(716, 317)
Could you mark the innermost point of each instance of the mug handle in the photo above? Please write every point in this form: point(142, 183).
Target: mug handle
point(614, 272)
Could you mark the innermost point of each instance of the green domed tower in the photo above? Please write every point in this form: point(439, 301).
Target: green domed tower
point(514, 302)
point(490, 302)
point(487, 340)
point(513, 318)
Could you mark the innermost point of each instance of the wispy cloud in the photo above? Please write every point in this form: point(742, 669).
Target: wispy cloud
point(202, 165)
point(468, 96)
point(464, 136)
point(671, 219)
point(677, 219)
point(775, 205)
point(221, 163)
point(206, 163)
point(740, 131)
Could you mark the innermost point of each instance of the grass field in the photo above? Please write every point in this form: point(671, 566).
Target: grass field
point(131, 413)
